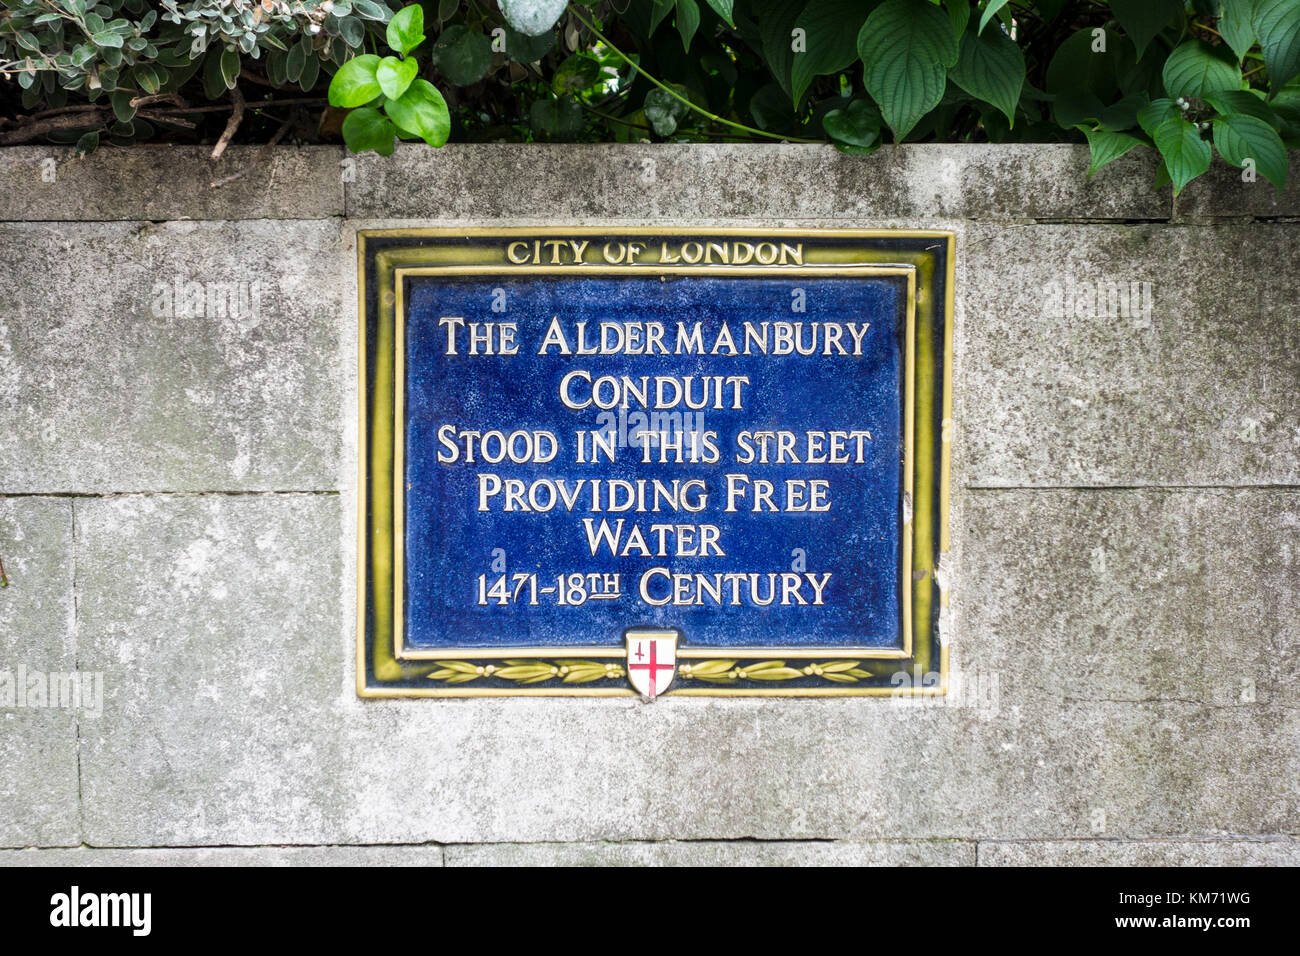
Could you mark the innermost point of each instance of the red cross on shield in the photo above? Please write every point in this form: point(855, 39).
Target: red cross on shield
point(651, 660)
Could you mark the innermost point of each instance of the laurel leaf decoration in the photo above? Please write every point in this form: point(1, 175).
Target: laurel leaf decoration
point(731, 671)
point(528, 671)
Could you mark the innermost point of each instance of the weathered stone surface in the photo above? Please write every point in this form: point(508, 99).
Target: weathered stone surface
point(1278, 851)
point(170, 182)
point(231, 856)
point(1109, 636)
point(38, 741)
point(1222, 194)
point(230, 718)
point(109, 383)
point(1138, 595)
point(777, 181)
point(206, 615)
point(705, 853)
point(1197, 390)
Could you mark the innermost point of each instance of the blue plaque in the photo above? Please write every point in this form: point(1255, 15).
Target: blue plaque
point(605, 463)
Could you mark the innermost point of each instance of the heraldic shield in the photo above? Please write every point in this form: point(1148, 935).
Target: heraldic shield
point(651, 659)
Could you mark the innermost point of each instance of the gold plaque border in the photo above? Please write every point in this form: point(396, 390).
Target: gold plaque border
point(476, 240)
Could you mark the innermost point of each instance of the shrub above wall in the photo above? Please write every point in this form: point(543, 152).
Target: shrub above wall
point(1186, 79)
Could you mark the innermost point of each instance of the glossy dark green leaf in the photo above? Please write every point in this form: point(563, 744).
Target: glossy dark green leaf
point(831, 30)
point(406, 30)
point(1241, 139)
point(991, 67)
point(1105, 147)
point(1143, 19)
point(367, 128)
point(688, 21)
point(1185, 153)
point(423, 111)
point(1235, 25)
point(906, 47)
point(1277, 28)
point(355, 83)
point(394, 76)
point(1195, 68)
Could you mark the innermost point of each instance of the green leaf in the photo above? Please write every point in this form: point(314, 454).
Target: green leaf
point(723, 9)
point(367, 128)
point(1239, 137)
point(1077, 108)
point(1243, 102)
point(991, 68)
point(297, 59)
point(122, 107)
point(356, 82)
point(990, 12)
point(310, 72)
point(1143, 19)
point(353, 32)
point(530, 17)
point(88, 143)
point(577, 72)
point(1186, 155)
point(421, 110)
point(557, 119)
point(659, 12)
point(1277, 27)
point(230, 66)
point(664, 111)
point(1195, 69)
point(1235, 27)
point(1124, 114)
point(688, 21)
point(776, 19)
point(831, 34)
point(462, 55)
point(370, 10)
point(146, 77)
point(906, 46)
point(1159, 111)
point(394, 75)
point(858, 124)
point(1077, 67)
point(522, 48)
point(406, 29)
point(959, 14)
point(107, 39)
point(1106, 147)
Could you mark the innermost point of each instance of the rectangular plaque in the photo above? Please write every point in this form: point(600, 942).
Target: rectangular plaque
point(609, 462)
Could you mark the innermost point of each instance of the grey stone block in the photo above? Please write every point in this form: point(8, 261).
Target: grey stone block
point(170, 182)
point(1222, 194)
point(1196, 390)
point(205, 615)
point(38, 729)
point(110, 381)
point(230, 718)
point(1136, 595)
point(752, 182)
point(405, 856)
point(704, 853)
point(1280, 851)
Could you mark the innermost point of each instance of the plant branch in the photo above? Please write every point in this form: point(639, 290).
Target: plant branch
point(681, 99)
point(232, 124)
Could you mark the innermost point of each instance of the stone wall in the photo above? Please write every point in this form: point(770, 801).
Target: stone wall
point(178, 508)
